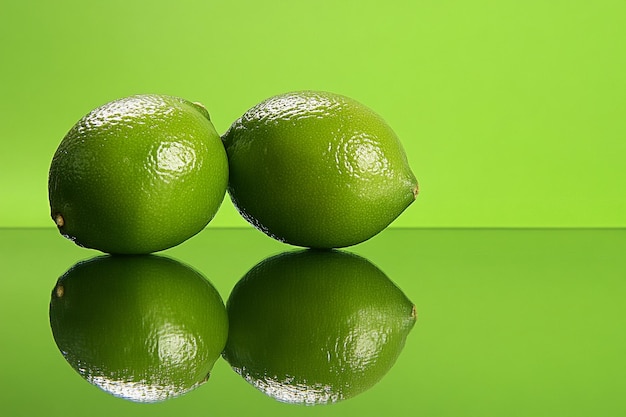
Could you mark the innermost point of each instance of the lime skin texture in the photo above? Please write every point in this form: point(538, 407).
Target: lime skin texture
point(144, 328)
point(138, 175)
point(317, 169)
point(316, 327)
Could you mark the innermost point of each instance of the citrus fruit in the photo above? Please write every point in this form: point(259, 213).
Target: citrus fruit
point(314, 327)
point(317, 169)
point(138, 175)
point(144, 328)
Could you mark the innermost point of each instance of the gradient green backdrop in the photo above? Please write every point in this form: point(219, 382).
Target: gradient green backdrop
point(512, 112)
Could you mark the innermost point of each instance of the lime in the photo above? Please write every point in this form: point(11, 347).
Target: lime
point(144, 328)
point(138, 175)
point(317, 169)
point(314, 327)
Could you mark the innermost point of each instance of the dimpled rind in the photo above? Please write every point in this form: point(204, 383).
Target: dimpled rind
point(145, 328)
point(138, 175)
point(317, 169)
point(316, 327)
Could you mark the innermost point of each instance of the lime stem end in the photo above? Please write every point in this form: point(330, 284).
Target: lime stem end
point(59, 220)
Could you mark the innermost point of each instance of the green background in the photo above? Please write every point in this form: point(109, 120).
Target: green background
point(512, 115)
point(512, 112)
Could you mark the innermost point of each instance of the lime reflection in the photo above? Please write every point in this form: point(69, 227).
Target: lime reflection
point(316, 327)
point(143, 328)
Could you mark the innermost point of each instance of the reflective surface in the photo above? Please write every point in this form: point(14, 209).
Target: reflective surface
point(144, 328)
point(510, 322)
point(316, 327)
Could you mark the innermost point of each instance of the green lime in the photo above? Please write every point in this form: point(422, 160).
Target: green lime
point(317, 169)
point(144, 328)
point(315, 327)
point(138, 175)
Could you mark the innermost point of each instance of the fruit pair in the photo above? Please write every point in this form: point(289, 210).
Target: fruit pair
point(145, 173)
point(305, 327)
